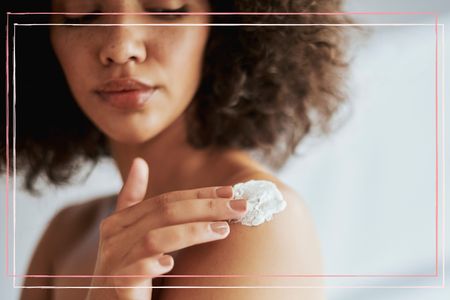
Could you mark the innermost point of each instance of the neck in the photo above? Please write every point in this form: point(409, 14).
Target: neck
point(174, 164)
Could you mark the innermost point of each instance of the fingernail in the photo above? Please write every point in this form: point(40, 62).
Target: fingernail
point(221, 228)
point(165, 261)
point(224, 192)
point(238, 205)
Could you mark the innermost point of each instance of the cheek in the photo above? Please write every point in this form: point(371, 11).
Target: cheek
point(71, 51)
point(183, 56)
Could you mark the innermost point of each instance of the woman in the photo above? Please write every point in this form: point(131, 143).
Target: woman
point(178, 109)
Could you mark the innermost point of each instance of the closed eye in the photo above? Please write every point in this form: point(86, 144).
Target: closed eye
point(81, 19)
point(166, 13)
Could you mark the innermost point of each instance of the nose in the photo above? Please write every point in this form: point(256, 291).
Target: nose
point(122, 45)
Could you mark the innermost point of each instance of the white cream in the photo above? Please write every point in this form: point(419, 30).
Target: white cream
point(263, 200)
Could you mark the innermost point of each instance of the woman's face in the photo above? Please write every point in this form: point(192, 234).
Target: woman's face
point(131, 81)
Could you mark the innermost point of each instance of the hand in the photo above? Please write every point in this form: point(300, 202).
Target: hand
point(135, 237)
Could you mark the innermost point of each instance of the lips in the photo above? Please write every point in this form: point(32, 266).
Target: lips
point(125, 93)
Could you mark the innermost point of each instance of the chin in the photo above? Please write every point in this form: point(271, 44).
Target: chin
point(131, 137)
point(134, 129)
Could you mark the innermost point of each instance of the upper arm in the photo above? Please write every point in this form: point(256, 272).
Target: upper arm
point(287, 245)
point(41, 261)
point(62, 235)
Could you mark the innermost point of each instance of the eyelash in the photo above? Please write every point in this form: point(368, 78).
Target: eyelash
point(89, 18)
point(81, 19)
point(182, 9)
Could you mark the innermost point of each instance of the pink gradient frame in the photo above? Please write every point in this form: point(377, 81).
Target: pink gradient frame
point(436, 273)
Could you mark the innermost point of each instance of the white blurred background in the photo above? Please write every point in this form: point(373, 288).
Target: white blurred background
point(370, 187)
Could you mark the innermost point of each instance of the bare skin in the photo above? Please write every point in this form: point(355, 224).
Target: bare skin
point(84, 238)
point(62, 259)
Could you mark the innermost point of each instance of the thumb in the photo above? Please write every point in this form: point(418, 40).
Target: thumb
point(135, 187)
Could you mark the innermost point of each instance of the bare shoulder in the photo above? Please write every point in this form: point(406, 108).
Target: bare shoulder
point(77, 219)
point(287, 245)
point(66, 227)
point(64, 230)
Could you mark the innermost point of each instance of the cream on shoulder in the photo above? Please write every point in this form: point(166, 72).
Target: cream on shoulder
point(264, 200)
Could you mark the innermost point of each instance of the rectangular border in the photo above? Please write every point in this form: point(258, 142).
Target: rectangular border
point(311, 275)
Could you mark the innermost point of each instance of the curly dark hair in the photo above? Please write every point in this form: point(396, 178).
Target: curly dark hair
point(263, 88)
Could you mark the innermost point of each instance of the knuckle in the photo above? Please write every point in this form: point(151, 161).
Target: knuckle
point(151, 243)
point(211, 204)
point(205, 193)
point(167, 211)
point(194, 230)
point(105, 227)
point(163, 199)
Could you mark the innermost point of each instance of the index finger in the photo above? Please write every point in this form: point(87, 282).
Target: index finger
point(134, 213)
point(200, 193)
